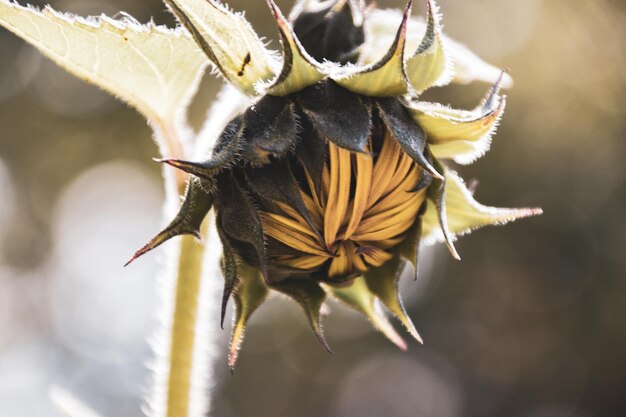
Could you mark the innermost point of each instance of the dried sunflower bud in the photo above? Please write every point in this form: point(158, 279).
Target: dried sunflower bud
point(327, 183)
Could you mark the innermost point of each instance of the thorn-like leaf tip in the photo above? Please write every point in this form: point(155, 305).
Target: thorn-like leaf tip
point(147, 248)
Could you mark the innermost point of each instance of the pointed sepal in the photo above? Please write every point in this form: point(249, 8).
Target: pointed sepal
point(239, 218)
point(188, 221)
point(311, 153)
point(249, 295)
point(310, 296)
point(464, 214)
point(459, 134)
point(383, 282)
point(385, 78)
point(358, 296)
point(271, 129)
point(228, 40)
point(410, 247)
point(300, 70)
point(230, 270)
point(430, 65)
point(337, 114)
point(437, 195)
point(407, 133)
point(381, 26)
point(225, 152)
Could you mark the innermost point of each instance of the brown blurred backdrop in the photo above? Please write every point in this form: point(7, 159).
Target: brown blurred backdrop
point(529, 324)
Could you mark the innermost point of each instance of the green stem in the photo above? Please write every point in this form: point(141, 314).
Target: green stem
point(183, 335)
point(183, 371)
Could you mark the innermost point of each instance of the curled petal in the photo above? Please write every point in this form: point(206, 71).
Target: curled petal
point(385, 78)
point(228, 41)
point(431, 64)
point(275, 183)
point(464, 214)
point(360, 298)
point(300, 70)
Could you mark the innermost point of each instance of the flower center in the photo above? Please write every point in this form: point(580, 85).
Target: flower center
point(361, 211)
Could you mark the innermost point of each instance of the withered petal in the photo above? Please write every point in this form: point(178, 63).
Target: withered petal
point(275, 182)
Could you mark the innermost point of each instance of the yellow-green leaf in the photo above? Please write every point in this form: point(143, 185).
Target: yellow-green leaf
point(228, 40)
point(430, 65)
point(300, 70)
point(464, 214)
point(386, 77)
point(152, 68)
point(381, 25)
point(460, 134)
point(360, 298)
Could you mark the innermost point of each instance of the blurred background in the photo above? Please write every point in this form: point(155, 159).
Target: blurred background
point(531, 323)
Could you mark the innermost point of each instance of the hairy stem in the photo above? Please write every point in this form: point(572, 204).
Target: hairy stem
point(183, 348)
point(183, 327)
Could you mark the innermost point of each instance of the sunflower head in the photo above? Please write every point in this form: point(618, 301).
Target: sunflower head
point(327, 182)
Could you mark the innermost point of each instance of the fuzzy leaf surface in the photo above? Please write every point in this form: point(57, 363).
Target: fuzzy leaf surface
point(430, 65)
point(154, 69)
point(228, 40)
point(460, 134)
point(359, 297)
point(464, 213)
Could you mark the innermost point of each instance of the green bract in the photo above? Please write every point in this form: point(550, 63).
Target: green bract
point(327, 182)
